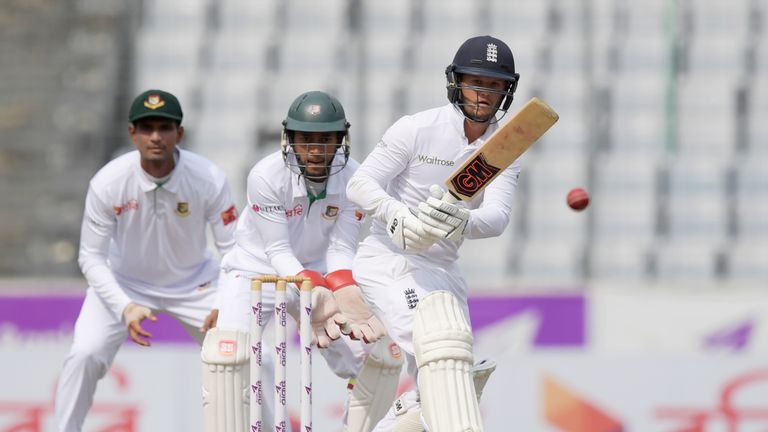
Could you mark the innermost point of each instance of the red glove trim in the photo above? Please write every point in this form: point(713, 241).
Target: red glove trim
point(316, 278)
point(339, 279)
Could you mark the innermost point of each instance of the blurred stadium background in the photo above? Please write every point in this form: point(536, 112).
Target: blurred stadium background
point(663, 108)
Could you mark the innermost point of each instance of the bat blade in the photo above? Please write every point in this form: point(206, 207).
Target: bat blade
point(501, 149)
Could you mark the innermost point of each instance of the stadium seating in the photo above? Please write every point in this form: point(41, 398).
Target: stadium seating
point(697, 208)
point(546, 181)
point(656, 119)
point(619, 260)
point(751, 206)
point(625, 194)
point(746, 265)
point(686, 263)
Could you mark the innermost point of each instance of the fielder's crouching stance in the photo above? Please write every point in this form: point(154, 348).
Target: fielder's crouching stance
point(407, 267)
point(299, 222)
point(143, 248)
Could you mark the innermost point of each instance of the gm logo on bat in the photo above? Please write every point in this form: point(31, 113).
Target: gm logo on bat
point(476, 173)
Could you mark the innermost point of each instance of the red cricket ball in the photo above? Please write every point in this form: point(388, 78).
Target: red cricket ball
point(578, 199)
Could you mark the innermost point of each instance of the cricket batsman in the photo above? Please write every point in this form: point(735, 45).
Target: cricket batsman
point(407, 266)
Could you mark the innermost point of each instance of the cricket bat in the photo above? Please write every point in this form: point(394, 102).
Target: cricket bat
point(501, 149)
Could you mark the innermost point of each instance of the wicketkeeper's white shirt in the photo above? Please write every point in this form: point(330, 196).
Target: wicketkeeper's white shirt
point(281, 231)
point(418, 151)
point(152, 239)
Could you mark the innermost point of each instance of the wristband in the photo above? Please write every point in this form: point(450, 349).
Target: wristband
point(339, 279)
point(316, 278)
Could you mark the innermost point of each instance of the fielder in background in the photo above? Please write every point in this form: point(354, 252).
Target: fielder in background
point(143, 248)
point(407, 267)
point(298, 221)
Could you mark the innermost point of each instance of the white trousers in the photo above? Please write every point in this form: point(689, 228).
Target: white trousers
point(393, 284)
point(99, 334)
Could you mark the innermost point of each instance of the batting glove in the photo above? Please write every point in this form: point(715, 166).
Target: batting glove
point(411, 234)
point(443, 215)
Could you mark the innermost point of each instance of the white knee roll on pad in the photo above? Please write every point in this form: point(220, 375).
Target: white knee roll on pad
point(225, 356)
point(375, 386)
point(442, 342)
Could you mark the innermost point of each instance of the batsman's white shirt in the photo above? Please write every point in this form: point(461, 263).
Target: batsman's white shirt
point(151, 239)
point(281, 232)
point(418, 151)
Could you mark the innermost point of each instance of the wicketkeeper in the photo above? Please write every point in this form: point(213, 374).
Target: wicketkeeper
point(299, 222)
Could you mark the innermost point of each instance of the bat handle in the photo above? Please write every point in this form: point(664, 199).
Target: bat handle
point(450, 198)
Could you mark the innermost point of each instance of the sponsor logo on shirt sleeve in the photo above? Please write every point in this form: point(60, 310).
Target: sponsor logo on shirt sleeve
point(297, 210)
point(132, 204)
point(267, 209)
point(229, 215)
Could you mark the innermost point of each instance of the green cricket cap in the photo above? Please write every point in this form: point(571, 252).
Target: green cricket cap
point(155, 103)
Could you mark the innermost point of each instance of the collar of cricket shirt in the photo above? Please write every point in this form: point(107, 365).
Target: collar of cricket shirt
point(173, 182)
point(334, 186)
point(457, 121)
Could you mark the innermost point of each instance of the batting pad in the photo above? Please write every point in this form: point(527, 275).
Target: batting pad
point(225, 381)
point(408, 418)
point(375, 386)
point(442, 342)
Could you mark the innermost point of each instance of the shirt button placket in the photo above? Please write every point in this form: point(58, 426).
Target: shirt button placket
point(159, 200)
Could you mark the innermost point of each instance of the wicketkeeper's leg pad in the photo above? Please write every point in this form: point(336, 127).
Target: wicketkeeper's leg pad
point(374, 387)
point(442, 342)
point(226, 373)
